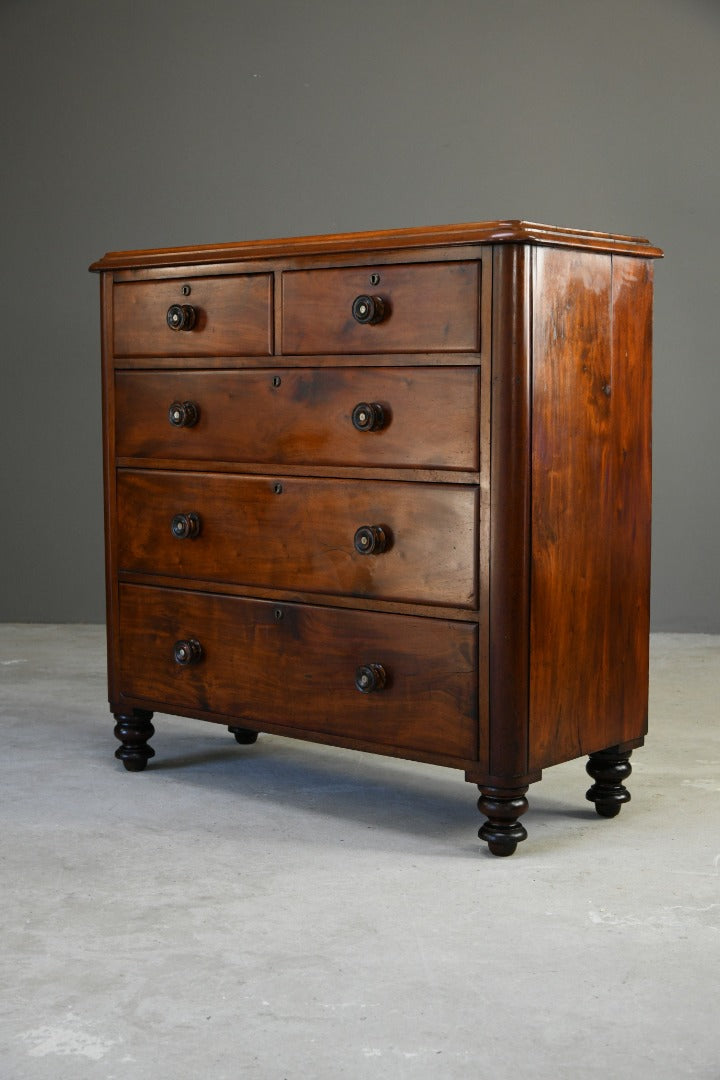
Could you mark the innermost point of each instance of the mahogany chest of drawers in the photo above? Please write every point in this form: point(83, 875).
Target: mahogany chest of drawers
point(389, 491)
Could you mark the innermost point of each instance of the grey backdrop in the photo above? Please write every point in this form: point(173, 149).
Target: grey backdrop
point(159, 122)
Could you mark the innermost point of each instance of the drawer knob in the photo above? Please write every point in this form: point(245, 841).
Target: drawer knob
point(371, 540)
point(369, 309)
point(181, 316)
point(368, 416)
point(187, 652)
point(183, 414)
point(185, 526)
point(370, 677)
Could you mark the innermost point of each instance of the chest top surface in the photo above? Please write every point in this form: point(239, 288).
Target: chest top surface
point(483, 232)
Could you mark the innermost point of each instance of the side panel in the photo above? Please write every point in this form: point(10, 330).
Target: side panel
point(590, 504)
point(109, 482)
point(632, 461)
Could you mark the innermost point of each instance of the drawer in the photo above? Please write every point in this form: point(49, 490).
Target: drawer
point(430, 416)
point(304, 534)
point(425, 307)
point(296, 665)
point(232, 316)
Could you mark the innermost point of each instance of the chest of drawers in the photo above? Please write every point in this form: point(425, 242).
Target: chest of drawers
point(388, 491)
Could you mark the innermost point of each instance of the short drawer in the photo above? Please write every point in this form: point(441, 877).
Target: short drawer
point(428, 307)
point(411, 542)
point(216, 316)
point(301, 666)
point(429, 416)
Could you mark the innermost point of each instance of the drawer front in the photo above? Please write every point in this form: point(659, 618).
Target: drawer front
point(297, 666)
point(430, 416)
point(429, 307)
point(303, 534)
point(232, 316)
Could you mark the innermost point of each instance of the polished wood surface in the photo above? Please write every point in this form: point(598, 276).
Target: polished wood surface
point(429, 307)
point(590, 503)
point(295, 665)
point(297, 533)
point(304, 416)
point(426, 535)
point(509, 580)
point(632, 303)
point(483, 232)
point(233, 315)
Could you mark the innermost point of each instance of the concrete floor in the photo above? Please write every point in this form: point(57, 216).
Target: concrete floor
point(289, 911)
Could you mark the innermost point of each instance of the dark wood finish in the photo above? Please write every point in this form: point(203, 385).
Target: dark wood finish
point(509, 579)
point(233, 315)
point(590, 504)
point(429, 307)
point(502, 806)
point(109, 483)
point(286, 416)
point(133, 729)
point(244, 736)
point(632, 296)
point(296, 533)
point(609, 768)
point(296, 664)
point(483, 232)
point(422, 531)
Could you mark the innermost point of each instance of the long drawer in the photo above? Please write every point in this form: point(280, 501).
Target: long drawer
point(429, 417)
point(205, 316)
point(432, 307)
point(409, 541)
point(302, 666)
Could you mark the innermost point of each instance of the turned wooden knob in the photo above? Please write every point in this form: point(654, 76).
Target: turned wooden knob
point(183, 414)
point(370, 677)
point(371, 540)
point(187, 652)
point(181, 316)
point(185, 526)
point(369, 309)
point(368, 416)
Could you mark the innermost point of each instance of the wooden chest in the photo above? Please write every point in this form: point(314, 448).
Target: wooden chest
point(389, 491)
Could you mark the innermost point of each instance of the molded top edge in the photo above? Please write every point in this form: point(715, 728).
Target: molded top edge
point(484, 232)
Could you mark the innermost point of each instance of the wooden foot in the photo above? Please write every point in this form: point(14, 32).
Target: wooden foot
point(609, 768)
point(133, 729)
point(502, 807)
point(243, 735)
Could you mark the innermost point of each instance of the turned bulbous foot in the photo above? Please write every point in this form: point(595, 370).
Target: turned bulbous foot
point(502, 807)
point(133, 729)
point(244, 736)
point(609, 768)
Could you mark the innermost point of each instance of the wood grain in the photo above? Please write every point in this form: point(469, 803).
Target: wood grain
point(299, 669)
point(483, 232)
point(432, 416)
point(509, 575)
point(233, 316)
point(632, 483)
point(302, 537)
point(590, 506)
point(506, 621)
point(432, 307)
